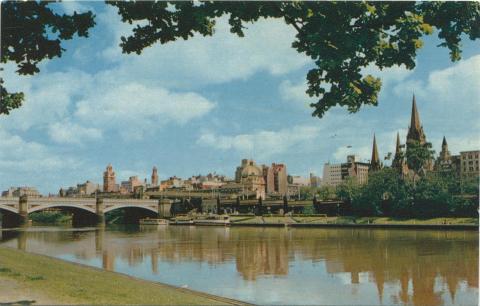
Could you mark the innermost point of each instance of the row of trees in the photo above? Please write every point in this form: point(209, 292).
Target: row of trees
point(432, 195)
point(388, 194)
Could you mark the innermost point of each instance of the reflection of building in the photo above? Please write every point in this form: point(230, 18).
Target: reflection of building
point(109, 180)
point(405, 267)
point(264, 257)
point(335, 174)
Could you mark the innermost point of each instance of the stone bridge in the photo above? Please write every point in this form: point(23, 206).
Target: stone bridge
point(19, 208)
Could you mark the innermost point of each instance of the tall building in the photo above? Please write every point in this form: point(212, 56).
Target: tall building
point(375, 164)
point(275, 178)
point(154, 177)
point(332, 174)
point(109, 179)
point(335, 174)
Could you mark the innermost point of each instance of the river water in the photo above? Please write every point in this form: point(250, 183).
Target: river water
point(279, 265)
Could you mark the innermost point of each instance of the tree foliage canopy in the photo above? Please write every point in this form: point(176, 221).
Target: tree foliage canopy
point(418, 155)
point(341, 38)
point(30, 32)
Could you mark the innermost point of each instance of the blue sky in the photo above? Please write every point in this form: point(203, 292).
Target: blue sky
point(201, 105)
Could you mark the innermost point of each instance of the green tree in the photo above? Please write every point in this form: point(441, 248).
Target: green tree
point(348, 190)
point(308, 192)
point(418, 156)
point(326, 193)
point(433, 197)
point(30, 32)
point(342, 38)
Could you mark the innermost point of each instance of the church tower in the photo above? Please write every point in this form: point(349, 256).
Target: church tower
point(154, 177)
point(109, 179)
point(415, 131)
point(398, 162)
point(444, 154)
point(445, 161)
point(375, 160)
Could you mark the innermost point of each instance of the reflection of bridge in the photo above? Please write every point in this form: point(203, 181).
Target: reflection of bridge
point(19, 208)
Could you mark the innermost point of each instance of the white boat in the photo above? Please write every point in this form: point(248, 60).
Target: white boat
point(149, 221)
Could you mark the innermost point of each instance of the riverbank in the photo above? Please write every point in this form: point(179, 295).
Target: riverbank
point(361, 222)
point(40, 279)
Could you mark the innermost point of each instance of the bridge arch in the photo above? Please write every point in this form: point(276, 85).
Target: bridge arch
point(9, 208)
point(61, 205)
point(128, 205)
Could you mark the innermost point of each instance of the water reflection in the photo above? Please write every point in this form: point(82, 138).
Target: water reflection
point(368, 266)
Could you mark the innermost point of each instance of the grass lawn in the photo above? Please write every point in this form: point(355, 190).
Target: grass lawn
point(68, 283)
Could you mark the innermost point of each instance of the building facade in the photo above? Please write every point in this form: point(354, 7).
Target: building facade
point(469, 168)
point(130, 185)
point(251, 177)
point(21, 191)
point(336, 174)
point(275, 178)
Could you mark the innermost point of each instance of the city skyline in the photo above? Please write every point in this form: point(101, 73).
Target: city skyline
point(212, 111)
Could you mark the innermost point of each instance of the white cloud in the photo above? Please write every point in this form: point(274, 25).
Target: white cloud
point(389, 76)
point(295, 92)
point(32, 163)
point(72, 133)
point(262, 143)
point(135, 109)
point(47, 96)
point(205, 60)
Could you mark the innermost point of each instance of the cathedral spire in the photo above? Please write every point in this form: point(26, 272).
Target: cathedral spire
point(415, 131)
point(397, 147)
point(444, 154)
point(415, 119)
point(375, 160)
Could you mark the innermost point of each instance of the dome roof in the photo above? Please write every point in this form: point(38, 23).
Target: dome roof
point(251, 170)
